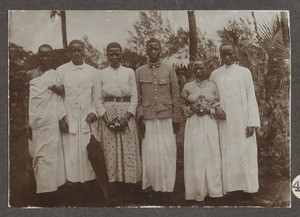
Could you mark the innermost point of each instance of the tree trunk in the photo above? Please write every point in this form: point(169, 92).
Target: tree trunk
point(285, 28)
point(192, 36)
point(64, 29)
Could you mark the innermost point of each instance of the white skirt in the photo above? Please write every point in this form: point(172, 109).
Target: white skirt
point(202, 158)
point(159, 155)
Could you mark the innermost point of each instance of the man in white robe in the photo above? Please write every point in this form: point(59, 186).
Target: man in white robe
point(42, 130)
point(237, 133)
point(77, 79)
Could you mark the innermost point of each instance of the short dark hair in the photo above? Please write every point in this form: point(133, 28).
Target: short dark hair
point(113, 45)
point(153, 40)
point(76, 42)
point(226, 44)
point(45, 46)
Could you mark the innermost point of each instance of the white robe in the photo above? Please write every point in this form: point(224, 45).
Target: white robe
point(45, 147)
point(78, 103)
point(202, 156)
point(239, 153)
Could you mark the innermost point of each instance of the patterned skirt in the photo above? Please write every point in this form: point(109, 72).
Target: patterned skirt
point(121, 149)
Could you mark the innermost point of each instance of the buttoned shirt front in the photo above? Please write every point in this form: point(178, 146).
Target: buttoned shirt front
point(78, 100)
point(158, 92)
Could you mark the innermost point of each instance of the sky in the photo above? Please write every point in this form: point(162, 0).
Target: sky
point(30, 29)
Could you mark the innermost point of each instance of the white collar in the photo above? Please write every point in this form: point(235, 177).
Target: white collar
point(76, 67)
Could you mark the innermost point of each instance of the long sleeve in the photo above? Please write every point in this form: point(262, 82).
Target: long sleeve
point(184, 95)
point(133, 93)
point(61, 112)
point(175, 95)
point(59, 76)
point(98, 96)
point(93, 108)
point(253, 114)
point(139, 110)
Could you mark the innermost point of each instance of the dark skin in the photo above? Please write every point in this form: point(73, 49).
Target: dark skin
point(76, 53)
point(198, 68)
point(228, 56)
point(114, 56)
point(153, 51)
point(45, 60)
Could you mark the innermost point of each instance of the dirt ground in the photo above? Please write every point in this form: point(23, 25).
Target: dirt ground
point(273, 192)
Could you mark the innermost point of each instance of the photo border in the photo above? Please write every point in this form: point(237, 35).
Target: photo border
point(292, 5)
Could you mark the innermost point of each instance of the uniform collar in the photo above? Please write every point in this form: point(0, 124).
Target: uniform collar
point(156, 65)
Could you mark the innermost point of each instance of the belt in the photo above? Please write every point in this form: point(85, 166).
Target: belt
point(117, 99)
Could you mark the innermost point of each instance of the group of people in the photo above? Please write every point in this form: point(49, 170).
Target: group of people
point(136, 116)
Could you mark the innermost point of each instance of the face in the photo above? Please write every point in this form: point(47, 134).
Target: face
point(198, 68)
point(227, 55)
point(77, 53)
point(45, 57)
point(114, 56)
point(153, 51)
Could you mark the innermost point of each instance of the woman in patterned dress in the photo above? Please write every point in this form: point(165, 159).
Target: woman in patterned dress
point(202, 157)
point(116, 102)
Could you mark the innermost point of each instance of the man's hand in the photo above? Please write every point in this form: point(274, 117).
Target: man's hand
point(59, 90)
point(176, 127)
point(28, 131)
point(63, 125)
point(90, 118)
point(219, 113)
point(142, 126)
point(249, 131)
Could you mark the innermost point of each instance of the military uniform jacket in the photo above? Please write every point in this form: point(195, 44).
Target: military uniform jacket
point(158, 92)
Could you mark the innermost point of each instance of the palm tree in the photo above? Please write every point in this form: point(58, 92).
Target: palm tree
point(62, 15)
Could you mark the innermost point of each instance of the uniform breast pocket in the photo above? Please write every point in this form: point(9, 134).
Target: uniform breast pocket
point(146, 85)
point(145, 81)
point(164, 81)
point(164, 86)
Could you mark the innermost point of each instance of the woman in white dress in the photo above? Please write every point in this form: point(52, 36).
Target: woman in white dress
point(116, 102)
point(202, 157)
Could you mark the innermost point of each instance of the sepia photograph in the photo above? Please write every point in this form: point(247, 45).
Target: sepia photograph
point(149, 108)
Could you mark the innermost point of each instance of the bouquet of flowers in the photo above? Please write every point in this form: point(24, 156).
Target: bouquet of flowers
point(203, 107)
point(115, 125)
